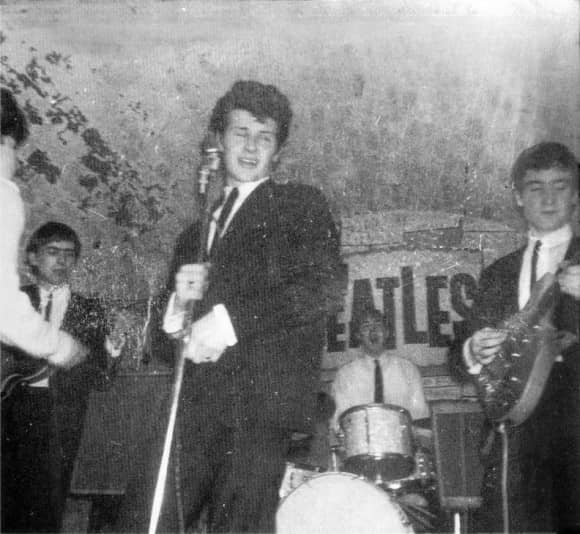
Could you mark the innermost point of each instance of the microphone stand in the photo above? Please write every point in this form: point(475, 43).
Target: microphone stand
point(207, 170)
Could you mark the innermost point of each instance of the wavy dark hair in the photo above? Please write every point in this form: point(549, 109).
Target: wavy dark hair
point(544, 156)
point(13, 122)
point(262, 101)
point(50, 233)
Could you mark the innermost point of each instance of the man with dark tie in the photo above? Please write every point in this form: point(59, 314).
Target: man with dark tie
point(43, 415)
point(253, 352)
point(538, 489)
point(380, 376)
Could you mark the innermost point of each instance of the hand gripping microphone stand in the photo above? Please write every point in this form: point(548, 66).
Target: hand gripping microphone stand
point(208, 169)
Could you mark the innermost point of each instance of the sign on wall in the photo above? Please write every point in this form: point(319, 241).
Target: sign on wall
point(421, 271)
point(425, 295)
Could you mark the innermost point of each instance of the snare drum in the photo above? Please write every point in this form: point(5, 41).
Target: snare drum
point(378, 441)
point(340, 503)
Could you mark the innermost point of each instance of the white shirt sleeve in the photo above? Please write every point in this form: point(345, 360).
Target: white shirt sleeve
point(226, 329)
point(173, 322)
point(20, 324)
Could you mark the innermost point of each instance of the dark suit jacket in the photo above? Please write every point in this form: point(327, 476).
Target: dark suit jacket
point(498, 296)
point(276, 270)
point(497, 299)
point(551, 435)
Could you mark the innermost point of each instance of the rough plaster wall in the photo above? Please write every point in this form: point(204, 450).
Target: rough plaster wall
point(418, 106)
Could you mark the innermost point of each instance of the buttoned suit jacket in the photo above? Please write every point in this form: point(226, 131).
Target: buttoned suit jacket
point(277, 271)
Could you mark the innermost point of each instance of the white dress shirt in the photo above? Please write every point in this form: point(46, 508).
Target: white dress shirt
point(354, 385)
point(60, 300)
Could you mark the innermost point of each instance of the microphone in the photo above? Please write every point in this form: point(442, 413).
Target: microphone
point(210, 162)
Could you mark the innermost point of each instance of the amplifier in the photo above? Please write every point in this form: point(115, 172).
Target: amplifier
point(457, 427)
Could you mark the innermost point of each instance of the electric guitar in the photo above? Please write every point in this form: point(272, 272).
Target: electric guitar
point(86, 322)
point(20, 371)
point(511, 385)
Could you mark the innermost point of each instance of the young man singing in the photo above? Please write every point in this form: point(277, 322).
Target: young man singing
point(254, 351)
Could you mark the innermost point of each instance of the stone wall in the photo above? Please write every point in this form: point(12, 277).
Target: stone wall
point(412, 107)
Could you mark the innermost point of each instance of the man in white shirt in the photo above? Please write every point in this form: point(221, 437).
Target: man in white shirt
point(380, 376)
point(20, 324)
point(354, 383)
point(542, 491)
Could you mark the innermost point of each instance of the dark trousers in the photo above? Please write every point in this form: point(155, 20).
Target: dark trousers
point(37, 462)
point(233, 473)
point(543, 470)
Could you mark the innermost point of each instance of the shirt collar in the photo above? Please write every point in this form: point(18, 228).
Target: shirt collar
point(44, 291)
point(553, 239)
point(245, 188)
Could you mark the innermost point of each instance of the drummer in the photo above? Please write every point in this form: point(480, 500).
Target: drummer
point(378, 376)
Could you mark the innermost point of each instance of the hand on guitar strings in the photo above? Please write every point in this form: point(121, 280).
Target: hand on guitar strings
point(485, 344)
point(569, 279)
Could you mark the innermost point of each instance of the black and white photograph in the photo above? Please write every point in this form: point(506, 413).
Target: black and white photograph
point(290, 266)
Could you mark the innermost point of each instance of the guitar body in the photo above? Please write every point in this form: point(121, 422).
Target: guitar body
point(511, 385)
point(20, 369)
point(86, 322)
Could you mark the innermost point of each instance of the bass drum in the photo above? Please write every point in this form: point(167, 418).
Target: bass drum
point(340, 503)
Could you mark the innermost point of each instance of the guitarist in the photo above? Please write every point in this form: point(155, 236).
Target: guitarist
point(538, 488)
point(42, 418)
point(20, 325)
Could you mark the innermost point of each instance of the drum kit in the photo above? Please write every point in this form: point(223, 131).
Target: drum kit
point(376, 482)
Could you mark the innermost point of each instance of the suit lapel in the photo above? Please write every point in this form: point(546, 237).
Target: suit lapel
point(33, 294)
point(252, 213)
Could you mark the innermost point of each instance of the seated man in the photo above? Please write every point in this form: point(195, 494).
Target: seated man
point(378, 377)
point(44, 410)
point(355, 382)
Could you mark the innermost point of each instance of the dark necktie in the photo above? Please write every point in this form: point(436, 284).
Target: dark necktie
point(534, 266)
point(227, 209)
point(48, 307)
point(379, 396)
point(224, 214)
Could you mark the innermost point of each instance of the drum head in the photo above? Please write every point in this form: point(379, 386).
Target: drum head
point(340, 503)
